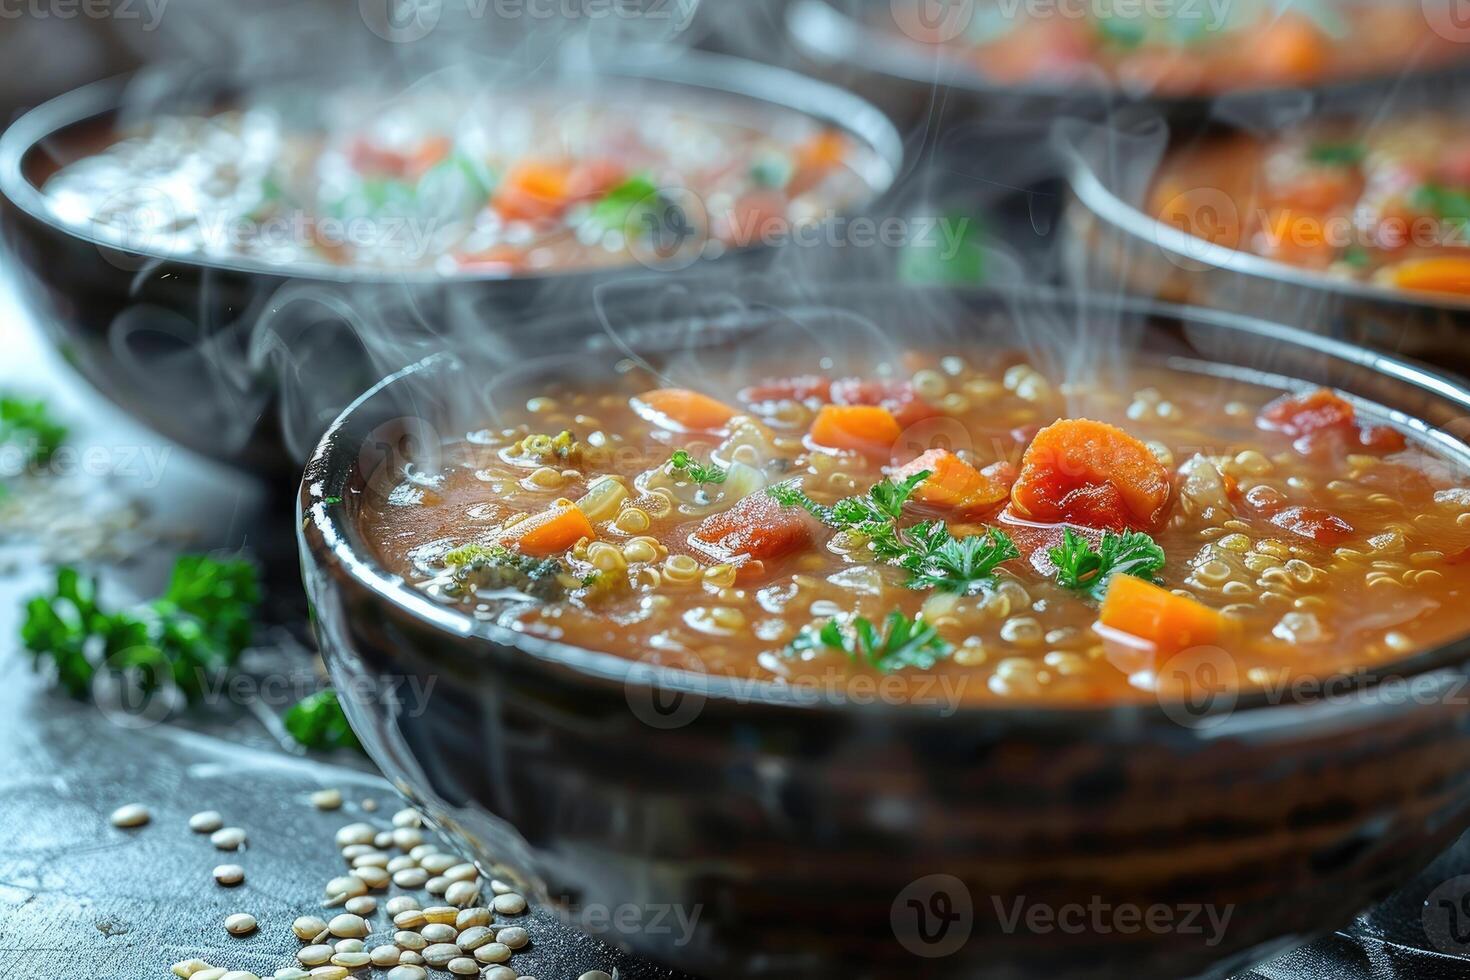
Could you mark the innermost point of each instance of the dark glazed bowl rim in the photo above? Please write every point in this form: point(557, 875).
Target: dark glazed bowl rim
point(739, 77)
point(821, 30)
point(325, 537)
point(1191, 251)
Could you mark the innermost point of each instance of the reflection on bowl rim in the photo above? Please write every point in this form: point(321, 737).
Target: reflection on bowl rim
point(738, 78)
point(320, 511)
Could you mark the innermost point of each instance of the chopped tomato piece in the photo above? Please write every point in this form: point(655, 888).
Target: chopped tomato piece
point(757, 527)
point(1149, 612)
point(1382, 439)
point(898, 397)
point(757, 218)
point(550, 532)
point(1297, 237)
point(534, 191)
point(1441, 274)
point(682, 410)
point(1090, 473)
point(868, 429)
point(1299, 415)
point(1313, 523)
point(953, 484)
point(797, 389)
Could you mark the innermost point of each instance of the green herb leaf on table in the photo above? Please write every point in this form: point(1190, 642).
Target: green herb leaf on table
point(696, 471)
point(901, 644)
point(318, 722)
point(29, 425)
point(1082, 568)
point(194, 631)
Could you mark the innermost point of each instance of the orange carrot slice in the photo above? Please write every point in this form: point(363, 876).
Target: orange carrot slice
point(1146, 611)
point(550, 532)
point(867, 429)
point(1443, 274)
point(756, 527)
point(1090, 473)
point(533, 191)
point(682, 410)
point(953, 484)
point(1290, 48)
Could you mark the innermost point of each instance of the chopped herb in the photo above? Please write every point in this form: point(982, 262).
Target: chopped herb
point(1125, 32)
point(695, 470)
point(955, 254)
point(941, 561)
point(903, 643)
point(1356, 256)
point(318, 722)
point(590, 579)
point(872, 516)
point(194, 631)
point(1336, 154)
point(622, 208)
point(492, 567)
point(1444, 202)
point(28, 424)
point(1084, 569)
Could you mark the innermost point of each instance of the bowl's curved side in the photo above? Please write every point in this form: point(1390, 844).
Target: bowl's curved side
point(1111, 243)
point(749, 836)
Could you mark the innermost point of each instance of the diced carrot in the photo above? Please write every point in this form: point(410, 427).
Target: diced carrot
point(1296, 237)
point(1441, 274)
point(1299, 415)
point(682, 410)
point(1149, 612)
point(797, 389)
point(1002, 471)
point(533, 191)
point(757, 527)
point(953, 484)
point(1090, 473)
point(826, 149)
point(550, 532)
point(1313, 523)
point(868, 429)
point(1290, 48)
point(898, 397)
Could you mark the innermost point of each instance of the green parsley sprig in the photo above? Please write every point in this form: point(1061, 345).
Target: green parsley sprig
point(874, 515)
point(902, 643)
point(194, 631)
point(962, 565)
point(696, 471)
point(317, 721)
point(1084, 569)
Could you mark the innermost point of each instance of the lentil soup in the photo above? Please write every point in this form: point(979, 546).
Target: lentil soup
point(946, 517)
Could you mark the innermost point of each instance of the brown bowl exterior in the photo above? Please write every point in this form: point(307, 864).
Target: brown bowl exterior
point(820, 838)
point(248, 363)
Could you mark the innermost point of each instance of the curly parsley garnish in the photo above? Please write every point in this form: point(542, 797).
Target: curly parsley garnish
point(874, 516)
point(493, 567)
point(1084, 569)
point(941, 561)
point(696, 471)
point(903, 643)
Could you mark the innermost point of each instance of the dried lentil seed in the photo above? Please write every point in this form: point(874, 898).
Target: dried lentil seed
point(463, 966)
point(439, 954)
point(373, 877)
point(407, 972)
point(240, 924)
point(339, 890)
point(356, 833)
point(438, 862)
point(315, 954)
point(410, 919)
point(308, 927)
point(474, 937)
point(476, 916)
point(462, 892)
point(349, 946)
point(206, 822)
point(509, 904)
point(437, 885)
point(411, 878)
point(353, 960)
point(515, 937)
point(404, 939)
point(385, 956)
point(401, 903)
point(229, 875)
point(187, 968)
point(502, 973)
point(228, 838)
point(438, 932)
point(496, 952)
point(445, 914)
point(327, 799)
point(348, 926)
point(332, 972)
point(130, 815)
